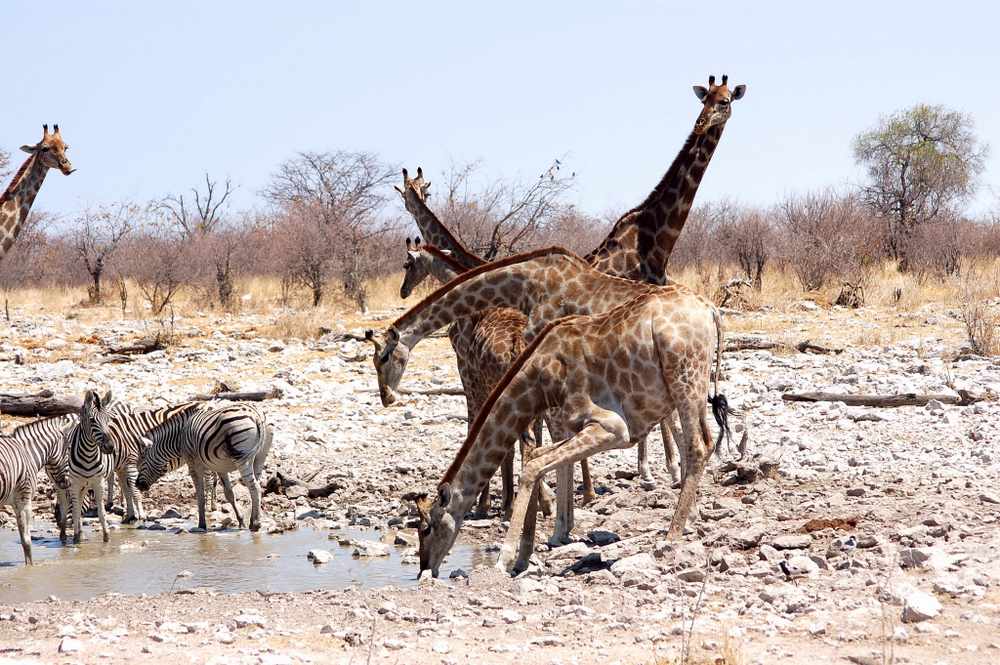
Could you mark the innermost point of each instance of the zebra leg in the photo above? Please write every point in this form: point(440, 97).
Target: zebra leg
point(211, 483)
point(250, 480)
point(198, 478)
point(22, 508)
point(76, 503)
point(227, 489)
point(128, 490)
point(62, 513)
point(109, 503)
point(101, 515)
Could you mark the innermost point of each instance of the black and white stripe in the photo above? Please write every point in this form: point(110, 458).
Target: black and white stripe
point(20, 461)
point(224, 439)
point(88, 465)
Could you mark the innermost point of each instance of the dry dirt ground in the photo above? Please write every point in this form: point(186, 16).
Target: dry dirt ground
point(869, 534)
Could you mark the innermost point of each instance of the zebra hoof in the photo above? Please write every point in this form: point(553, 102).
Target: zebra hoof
point(255, 526)
point(130, 520)
point(198, 529)
point(76, 540)
point(107, 536)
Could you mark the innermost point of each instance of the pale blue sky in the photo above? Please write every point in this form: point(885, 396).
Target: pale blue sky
point(151, 95)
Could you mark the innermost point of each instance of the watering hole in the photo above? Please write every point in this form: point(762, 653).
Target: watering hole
point(139, 561)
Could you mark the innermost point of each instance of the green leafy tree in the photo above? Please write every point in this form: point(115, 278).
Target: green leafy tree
point(920, 164)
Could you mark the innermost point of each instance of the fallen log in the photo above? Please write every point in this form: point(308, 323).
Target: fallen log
point(809, 347)
point(138, 347)
point(41, 404)
point(964, 398)
point(248, 396)
point(279, 483)
point(763, 344)
point(420, 391)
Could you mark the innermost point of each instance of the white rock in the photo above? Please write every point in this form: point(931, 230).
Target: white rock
point(69, 645)
point(250, 619)
point(319, 556)
point(641, 561)
point(370, 548)
point(920, 606)
point(511, 616)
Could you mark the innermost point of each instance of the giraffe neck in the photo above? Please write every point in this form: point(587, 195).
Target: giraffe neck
point(17, 199)
point(506, 283)
point(543, 285)
point(511, 406)
point(443, 267)
point(642, 239)
point(437, 233)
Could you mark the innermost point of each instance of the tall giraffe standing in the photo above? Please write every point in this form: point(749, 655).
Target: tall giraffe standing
point(614, 377)
point(15, 203)
point(640, 242)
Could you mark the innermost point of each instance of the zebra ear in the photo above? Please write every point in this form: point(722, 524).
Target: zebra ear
point(146, 443)
point(107, 398)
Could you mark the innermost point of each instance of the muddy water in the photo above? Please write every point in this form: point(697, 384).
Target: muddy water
point(139, 561)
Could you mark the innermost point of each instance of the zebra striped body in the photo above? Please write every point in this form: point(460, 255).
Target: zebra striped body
point(127, 427)
point(41, 434)
point(228, 438)
point(20, 462)
point(88, 465)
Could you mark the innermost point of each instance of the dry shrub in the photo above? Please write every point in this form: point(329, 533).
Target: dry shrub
point(982, 326)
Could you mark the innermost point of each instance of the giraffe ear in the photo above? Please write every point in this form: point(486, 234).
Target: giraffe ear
point(739, 91)
point(444, 494)
point(701, 92)
point(30, 149)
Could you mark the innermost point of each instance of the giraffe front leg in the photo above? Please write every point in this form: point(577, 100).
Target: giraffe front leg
point(697, 445)
point(564, 501)
point(646, 480)
point(507, 480)
point(606, 430)
point(546, 497)
point(589, 495)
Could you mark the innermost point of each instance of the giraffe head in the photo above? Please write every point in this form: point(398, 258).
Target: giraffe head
point(414, 190)
point(390, 360)
point(51, 150)
point(417, 267)
point(95, 416)
point(717, 101)
point(438, 527)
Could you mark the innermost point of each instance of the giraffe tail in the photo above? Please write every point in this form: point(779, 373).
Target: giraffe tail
point(720, 405)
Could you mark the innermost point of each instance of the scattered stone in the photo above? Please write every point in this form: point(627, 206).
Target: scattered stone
point(989, 498)
point(70, 645)
point(692, 575)
point(602, 538)
point(641, 561)
point(748, 538)
point(365, 549)
point(511, 616)
point(319, 556)
point(250, 619)
point(920, 606)
point(792, 541)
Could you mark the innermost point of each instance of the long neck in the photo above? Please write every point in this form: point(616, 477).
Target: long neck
point(507, 285)
point(493, 434)
point(437, 233)
point(554, 283)
point(641, 241)
point(16, 201)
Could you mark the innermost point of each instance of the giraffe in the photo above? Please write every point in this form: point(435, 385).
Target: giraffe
point(545, 285)
point(485, 345)
point(414, 193)
point(15, 203)
point(614, 376)
point(640, 242)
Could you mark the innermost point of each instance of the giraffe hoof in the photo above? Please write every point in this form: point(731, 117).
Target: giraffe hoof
point(130, 520)
point(647, 484)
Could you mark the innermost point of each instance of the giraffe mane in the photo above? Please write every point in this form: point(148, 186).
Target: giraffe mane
point(487, 407)
point(9, 192)
point(475, 272)
point(449, 235)
point(442, 255)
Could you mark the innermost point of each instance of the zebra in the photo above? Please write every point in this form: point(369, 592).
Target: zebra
point(126, 428)
point(88, 464)
point(222, 439)
point(40, 435)
point(20, 462)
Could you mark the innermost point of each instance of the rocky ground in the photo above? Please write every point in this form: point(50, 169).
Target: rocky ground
point(854, 535)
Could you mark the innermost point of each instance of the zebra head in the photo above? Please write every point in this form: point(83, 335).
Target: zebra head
point(94, 418)
point(150, 469)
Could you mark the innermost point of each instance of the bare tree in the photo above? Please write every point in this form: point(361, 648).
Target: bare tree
point(502, 217)
point(159, 263)
point(25, 263)
point(100, 231)
point(305, 244)
point(4, 165)
point(202, 212)
point(333, 200)
point(747, 234)
point(920, 163)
